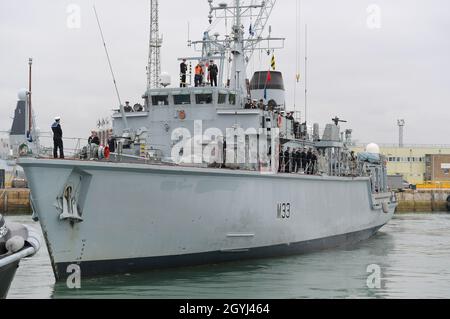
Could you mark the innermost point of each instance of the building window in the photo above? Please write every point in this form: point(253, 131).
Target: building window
point(233, 99)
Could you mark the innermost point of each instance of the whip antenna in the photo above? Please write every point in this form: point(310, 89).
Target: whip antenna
point(111, 68)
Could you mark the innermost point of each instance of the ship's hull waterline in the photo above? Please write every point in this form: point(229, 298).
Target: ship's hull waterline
point(140, 217)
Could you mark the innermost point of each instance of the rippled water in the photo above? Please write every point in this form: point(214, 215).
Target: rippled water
point(413, 252)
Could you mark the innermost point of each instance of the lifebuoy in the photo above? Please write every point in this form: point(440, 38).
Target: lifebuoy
point(182, 115)
point(107, 152)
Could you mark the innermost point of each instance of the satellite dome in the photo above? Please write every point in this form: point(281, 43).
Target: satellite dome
point(22, 95)
point(373, 148)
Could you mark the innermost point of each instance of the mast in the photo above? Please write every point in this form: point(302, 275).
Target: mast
point(239, 66)
point(306, 73)
point(154, 56)
point(30, 119)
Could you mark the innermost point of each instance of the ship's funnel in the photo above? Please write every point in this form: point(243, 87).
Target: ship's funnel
point(268, 87)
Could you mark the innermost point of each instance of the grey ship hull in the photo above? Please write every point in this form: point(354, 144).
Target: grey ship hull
point(141, 217)
point(7, 274)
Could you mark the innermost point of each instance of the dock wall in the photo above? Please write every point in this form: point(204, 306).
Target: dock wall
point(423, 201)
point(15, 201)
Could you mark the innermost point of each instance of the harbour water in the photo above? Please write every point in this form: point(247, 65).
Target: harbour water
point(412, 252)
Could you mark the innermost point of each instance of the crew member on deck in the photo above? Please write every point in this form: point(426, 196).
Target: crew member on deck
point(57, 138)
point(287, 160)
point(261, 105)
point(248, 104)
point(93, 139)
point(297, 160)
point(303, 159)
point(111, 141)
point(199, 75)
point(213, 71)
point(281, 161)
point(127, 108)
point(314, 160)
point(183, 72)
point(309, 160)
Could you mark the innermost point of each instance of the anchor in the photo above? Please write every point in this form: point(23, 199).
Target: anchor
point(70, 206)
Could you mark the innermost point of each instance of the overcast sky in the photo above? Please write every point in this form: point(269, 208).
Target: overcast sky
point(366, 70)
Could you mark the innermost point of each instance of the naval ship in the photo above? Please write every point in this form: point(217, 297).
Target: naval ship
point(201, 176)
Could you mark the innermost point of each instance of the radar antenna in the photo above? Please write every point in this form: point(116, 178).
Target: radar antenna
point(337, 120)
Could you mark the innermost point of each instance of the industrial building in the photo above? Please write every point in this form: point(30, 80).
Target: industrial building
point(437, 168)
point(417, 163)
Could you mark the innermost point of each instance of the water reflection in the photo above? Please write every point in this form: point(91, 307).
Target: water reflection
point(413, 253)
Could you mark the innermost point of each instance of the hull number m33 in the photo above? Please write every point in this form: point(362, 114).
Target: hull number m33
point(284, 211)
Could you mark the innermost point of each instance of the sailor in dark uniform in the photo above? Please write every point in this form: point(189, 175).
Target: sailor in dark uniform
point(298, 160)
point(287, 160)
point(93, 139)
point(183, 72)
point(309, 157)
point(57, 138)
point(303, 160)
point(281, 161)
point(314, 160)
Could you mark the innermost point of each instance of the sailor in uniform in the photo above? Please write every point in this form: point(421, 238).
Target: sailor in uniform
point(57, 138)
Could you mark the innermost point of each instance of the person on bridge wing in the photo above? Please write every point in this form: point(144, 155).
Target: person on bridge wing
point(213, 71)
point(199, 75)
point(57, 138)
point(183, 72)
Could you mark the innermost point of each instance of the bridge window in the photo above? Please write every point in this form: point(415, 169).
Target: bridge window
point(160, 100)
point(232, 99)
point(182, 99)
point(222, 98)
point(204, 98)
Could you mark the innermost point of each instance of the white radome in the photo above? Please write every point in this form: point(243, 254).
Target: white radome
point(165, 79)
point(373, 148)
point(22, 95)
